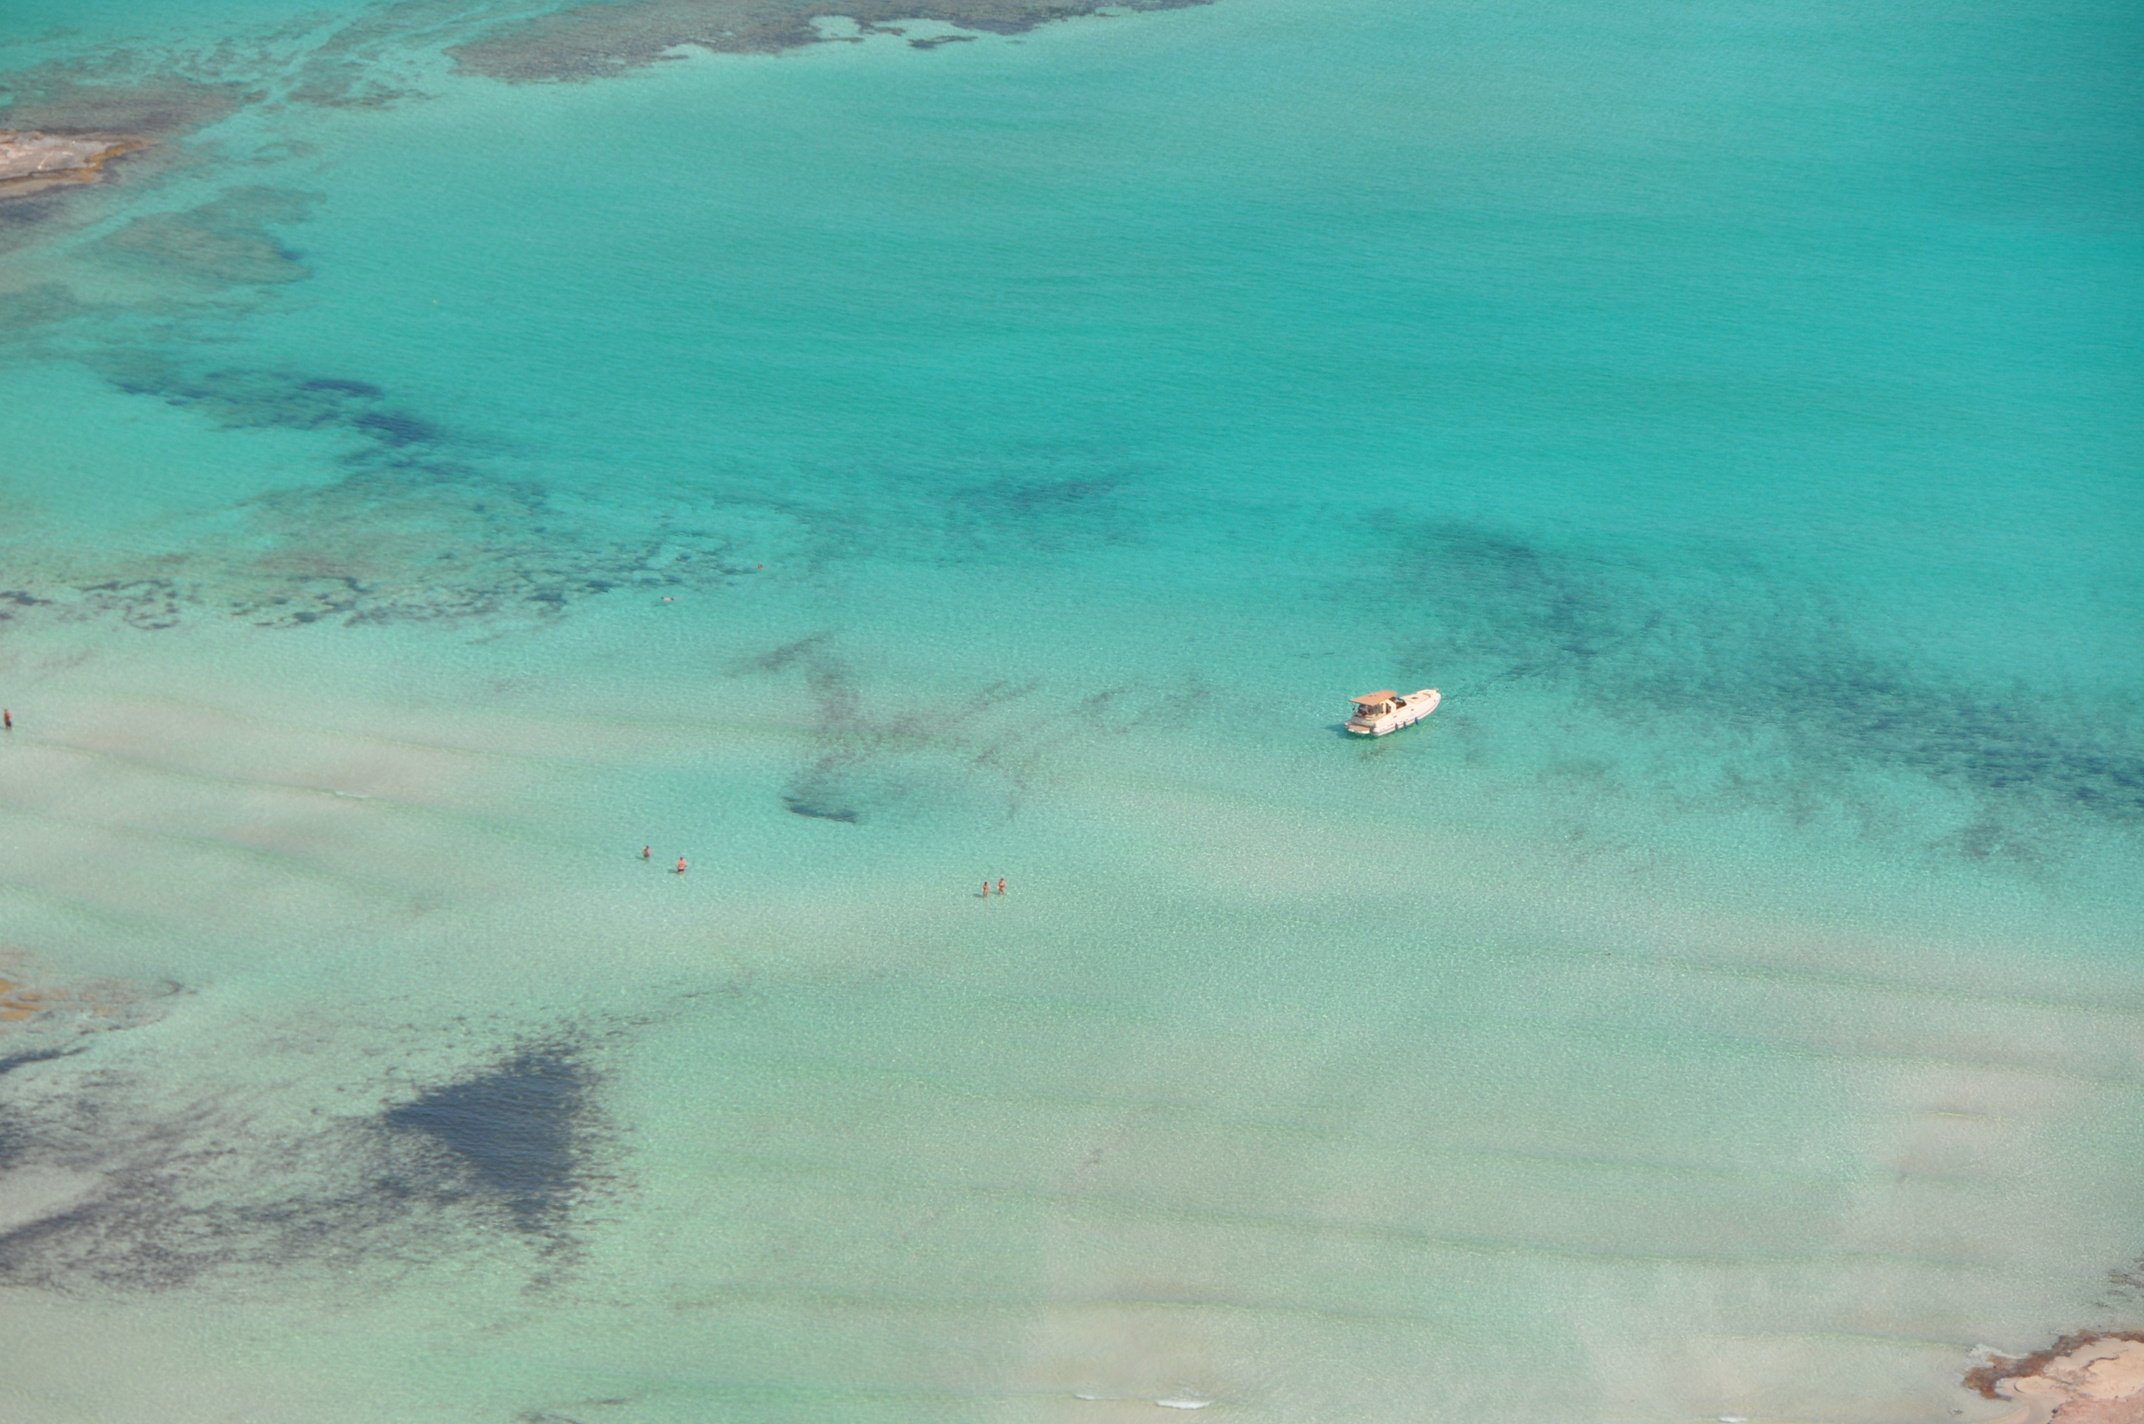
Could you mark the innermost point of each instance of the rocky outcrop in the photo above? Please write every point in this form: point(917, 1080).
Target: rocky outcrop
point(32, 162)
point(2080, 1379)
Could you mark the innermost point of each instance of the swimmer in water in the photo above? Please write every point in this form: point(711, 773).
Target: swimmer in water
point(681, 865)
point(647, 852)
point(1001, 885)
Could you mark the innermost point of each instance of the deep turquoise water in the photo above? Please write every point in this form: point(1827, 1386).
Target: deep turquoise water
point(866, 471)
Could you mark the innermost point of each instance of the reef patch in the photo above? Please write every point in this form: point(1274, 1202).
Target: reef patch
point(123, 93)
point(500, 1161)
point(875, 758)
point(1038, 511)
point(512, 1129)
point(596, 40)
point(221, 243)
point(1797, 713)
point(413, 525)
point(254, 398)
point(39, 1010)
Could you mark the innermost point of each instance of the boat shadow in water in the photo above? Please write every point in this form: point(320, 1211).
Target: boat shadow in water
point(1340, 732)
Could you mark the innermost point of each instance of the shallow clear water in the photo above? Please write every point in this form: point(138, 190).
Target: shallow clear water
point(1727, 1005)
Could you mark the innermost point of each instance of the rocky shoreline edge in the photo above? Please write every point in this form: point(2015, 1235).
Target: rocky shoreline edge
point(32, 161)
point(2092, 1378)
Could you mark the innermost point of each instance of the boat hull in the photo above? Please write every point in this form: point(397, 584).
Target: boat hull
point(1417, 706)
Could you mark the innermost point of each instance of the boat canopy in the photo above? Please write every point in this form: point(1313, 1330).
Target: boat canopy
point(1369, 697)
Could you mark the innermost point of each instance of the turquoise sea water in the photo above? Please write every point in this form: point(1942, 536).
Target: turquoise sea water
point(866, 471)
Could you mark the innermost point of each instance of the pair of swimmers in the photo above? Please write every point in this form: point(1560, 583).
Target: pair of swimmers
point(986, 887)
point(648, 853)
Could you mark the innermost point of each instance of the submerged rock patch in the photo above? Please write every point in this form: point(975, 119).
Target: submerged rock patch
point(499, 1159)
point(514, 1129)
point(1798, 712)
point(819, 811)
point(1039, 511)
point(41, 1014)
point(873, 758)
point(594, 40)
point(226, 242)
point(125, 92)
point(415, 527)
point(252, 398)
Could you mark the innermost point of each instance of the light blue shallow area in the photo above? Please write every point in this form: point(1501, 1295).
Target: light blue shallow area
point(867, 470)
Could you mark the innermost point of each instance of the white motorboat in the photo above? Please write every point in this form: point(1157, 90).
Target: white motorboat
point(1377, 713)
